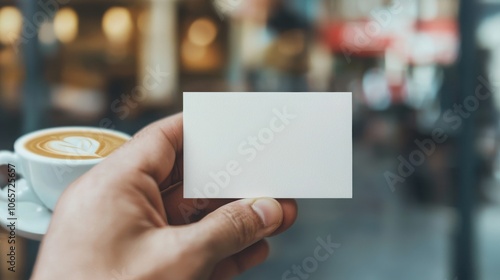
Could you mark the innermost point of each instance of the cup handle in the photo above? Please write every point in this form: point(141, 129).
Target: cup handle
point(8, 158)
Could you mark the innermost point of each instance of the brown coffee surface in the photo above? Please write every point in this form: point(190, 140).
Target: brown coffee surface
point(75, 144)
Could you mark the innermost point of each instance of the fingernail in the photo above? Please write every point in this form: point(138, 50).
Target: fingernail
point(269, 211)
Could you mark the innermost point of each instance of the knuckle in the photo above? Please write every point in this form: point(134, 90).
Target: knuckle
point(242, 224)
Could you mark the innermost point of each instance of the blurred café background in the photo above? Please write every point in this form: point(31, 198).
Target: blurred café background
point(414, 67)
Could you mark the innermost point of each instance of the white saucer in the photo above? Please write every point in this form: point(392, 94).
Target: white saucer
point(32, 218)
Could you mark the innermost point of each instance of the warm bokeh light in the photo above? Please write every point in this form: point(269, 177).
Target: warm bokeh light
point(66, 25)
point(117, 24)
point(143, 21)
point(11, 23)
point(202, 32)
point(192, 52)
point(199, 58)
point(46, 33)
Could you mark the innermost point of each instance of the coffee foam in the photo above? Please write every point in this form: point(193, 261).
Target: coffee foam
point(75, 144)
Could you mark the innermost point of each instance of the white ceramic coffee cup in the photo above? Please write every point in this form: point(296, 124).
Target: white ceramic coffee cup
point(48, 177)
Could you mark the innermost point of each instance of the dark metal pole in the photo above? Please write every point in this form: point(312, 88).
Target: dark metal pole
point(34, 90)
point(464, 251)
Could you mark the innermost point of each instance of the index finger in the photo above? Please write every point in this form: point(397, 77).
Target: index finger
point(153, 150)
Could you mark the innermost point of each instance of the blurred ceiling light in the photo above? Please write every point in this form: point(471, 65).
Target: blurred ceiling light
point(202, 32)
point(117, 24)
point(11, 23)
point(66, 25)
point(46, 34)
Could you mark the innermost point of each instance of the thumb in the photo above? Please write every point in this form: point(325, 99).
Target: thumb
point(237, 225)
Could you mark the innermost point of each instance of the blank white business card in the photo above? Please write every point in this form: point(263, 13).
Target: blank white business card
point(281, 145)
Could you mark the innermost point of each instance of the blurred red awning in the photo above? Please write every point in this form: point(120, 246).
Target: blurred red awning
point(429, 41)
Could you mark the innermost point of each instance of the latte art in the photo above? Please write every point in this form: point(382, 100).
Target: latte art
point(76, 144)
point(82, 146)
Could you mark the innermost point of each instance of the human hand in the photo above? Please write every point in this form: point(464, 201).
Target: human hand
point(124, 220)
